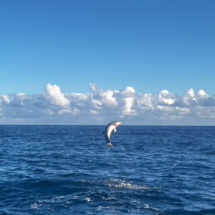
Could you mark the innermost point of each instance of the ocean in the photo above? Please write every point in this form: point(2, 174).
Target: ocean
point(150, 170)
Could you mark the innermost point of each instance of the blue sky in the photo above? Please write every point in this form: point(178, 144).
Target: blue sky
point(149, 45)
point(143, 62)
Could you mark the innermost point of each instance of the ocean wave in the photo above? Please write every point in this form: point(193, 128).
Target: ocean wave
point(160, 173)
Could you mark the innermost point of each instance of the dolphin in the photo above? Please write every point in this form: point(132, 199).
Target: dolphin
point(108, 130)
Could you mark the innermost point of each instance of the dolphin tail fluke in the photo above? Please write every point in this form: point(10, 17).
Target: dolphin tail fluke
point(110, 145)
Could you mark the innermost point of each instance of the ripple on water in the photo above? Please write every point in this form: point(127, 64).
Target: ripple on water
point(70, 170)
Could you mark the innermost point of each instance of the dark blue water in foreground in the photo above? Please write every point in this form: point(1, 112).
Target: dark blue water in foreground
point(70, 170)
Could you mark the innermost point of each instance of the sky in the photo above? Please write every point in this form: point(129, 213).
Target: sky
point(86, 62)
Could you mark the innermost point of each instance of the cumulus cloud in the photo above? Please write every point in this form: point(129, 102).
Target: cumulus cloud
point(55, 96)
point(99, 107)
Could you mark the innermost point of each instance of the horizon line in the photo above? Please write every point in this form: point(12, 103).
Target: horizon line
point(104, 125)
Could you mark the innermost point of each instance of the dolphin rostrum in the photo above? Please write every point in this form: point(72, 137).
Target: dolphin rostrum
point(108, 130)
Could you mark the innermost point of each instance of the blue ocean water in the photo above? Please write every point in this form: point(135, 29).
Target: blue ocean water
point(70, 170)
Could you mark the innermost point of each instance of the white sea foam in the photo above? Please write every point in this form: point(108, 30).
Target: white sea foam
point(117, 183)
point(135, 201)
point(108, 198)
point(88, 199)
point(35, 206)
point(146, 206)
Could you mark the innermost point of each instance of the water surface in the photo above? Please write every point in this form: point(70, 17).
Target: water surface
point(70, 170)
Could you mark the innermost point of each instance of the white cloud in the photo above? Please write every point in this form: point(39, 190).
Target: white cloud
point(100, 107)
point(5, 99)
point(202, 93)
point(128, 90)
point(55, 96)
point(92, 87)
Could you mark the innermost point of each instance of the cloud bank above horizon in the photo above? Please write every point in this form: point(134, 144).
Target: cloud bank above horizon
point(99, 107)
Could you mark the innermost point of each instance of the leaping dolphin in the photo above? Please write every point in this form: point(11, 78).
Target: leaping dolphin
point(108, 130)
